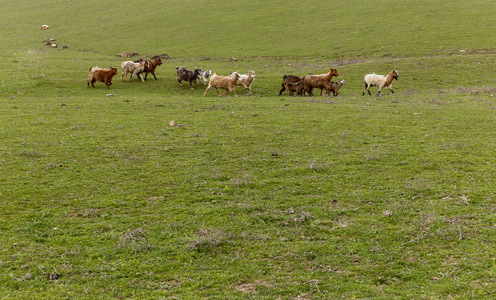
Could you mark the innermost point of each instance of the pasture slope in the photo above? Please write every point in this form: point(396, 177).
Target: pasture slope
point(256, 197)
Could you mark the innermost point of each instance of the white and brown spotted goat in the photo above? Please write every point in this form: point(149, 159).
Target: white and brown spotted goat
point(246, 80)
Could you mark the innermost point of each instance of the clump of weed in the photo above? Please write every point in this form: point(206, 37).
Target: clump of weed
point(136, 240)
point(410, 91)
point(434, 101)
point(244, 180)
point(206, 239)
point(313, 165)
point(371, 157)
point(302, 218)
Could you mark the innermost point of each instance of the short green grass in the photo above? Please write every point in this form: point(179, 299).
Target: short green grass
point(258, 197)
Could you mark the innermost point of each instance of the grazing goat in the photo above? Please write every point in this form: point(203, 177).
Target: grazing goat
point(135, 68)
point(286, 79)
point(381, 81)
point(322, 82)
point(335, 86)
point(101, 75)
point(294, 87)
point(204, 76)
point(184, 74)
point(246, 80)
point(151, 66)
point(227, 83)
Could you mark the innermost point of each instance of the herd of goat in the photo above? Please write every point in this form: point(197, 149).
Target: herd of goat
point(293, 84)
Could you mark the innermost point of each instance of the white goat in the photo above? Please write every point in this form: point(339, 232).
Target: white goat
point(135, 68)
point(381, 81)
point(246, 80)
point(204, 76)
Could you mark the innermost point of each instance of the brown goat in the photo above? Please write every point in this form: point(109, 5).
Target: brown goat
point(287, 79)
point(294, 87)
point(152, 66)
point(227, 83)
point(101, 75)
point(318, 81)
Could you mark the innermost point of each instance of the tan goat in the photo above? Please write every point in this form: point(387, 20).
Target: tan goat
point(227, 83)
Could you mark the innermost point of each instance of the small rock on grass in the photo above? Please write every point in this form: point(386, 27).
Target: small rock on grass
point(53, 276)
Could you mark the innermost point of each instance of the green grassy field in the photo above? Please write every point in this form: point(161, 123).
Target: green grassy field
point(255, 197)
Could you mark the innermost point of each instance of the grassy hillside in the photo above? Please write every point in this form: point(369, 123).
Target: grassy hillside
point(258, 197)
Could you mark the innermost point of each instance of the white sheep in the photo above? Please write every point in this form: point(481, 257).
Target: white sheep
point(135, 68)
point(381, 81)
point(246, 80)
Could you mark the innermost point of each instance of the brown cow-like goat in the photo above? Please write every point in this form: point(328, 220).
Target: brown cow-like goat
point(101, 75)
